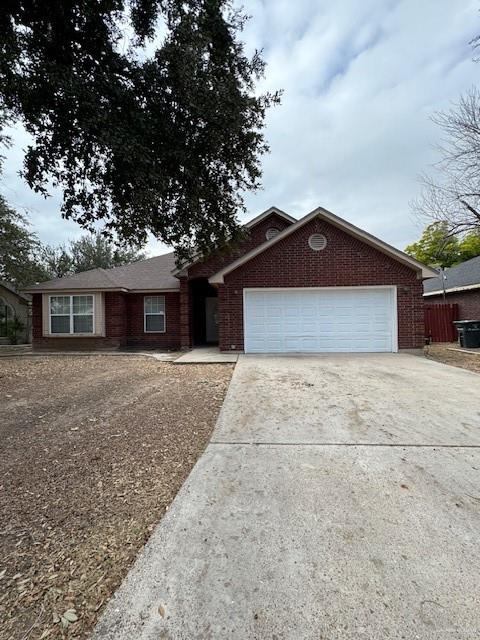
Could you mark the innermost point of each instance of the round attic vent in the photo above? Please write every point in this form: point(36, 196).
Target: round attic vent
point(317, 242)
point(271, 233)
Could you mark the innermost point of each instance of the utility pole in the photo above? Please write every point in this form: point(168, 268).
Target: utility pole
point(443, 276)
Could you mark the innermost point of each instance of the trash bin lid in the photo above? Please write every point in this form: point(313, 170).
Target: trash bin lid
point(466, 324)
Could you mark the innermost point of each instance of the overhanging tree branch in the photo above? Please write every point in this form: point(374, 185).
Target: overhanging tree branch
point(452, 194)
point(163, 143)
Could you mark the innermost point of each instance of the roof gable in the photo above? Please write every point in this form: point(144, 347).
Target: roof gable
point(320, 212)
point(11, 289)
point(251, 225)
point(268, 212)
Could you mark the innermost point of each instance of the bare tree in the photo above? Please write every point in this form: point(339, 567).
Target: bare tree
point(452, 193)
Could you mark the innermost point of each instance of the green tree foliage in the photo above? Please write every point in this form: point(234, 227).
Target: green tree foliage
point(94, 250)
point(24, 260)
point(470, 246)
point(57, 261)
point(438, 248)
point(20, 249)
point(162, 142)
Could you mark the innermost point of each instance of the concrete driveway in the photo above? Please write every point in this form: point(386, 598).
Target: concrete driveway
point(339, 499)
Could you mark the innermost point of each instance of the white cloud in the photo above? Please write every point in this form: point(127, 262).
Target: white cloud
point(360, 81)
point(353, 131)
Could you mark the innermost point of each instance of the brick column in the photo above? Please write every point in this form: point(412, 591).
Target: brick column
point(37, 318)
point(115, 318)
point(185, 333)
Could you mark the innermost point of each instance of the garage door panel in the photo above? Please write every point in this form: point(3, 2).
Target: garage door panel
point(319, 320)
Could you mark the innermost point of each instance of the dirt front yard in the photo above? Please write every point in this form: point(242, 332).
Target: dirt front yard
point(443, 352)
point(92, 452)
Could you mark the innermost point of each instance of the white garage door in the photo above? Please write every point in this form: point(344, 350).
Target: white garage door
point(320, 320)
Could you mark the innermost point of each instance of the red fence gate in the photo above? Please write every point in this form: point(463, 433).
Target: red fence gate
point(439, 319)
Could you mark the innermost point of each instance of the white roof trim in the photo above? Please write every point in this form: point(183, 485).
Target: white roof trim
point(423, 270)
point(155, 290)
point(247, 225)
point(73, 290)
point(439, 292)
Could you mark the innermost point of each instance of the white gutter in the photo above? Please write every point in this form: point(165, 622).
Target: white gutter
point(439, 292)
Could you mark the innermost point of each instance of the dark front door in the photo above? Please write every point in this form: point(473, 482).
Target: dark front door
point(211, 319)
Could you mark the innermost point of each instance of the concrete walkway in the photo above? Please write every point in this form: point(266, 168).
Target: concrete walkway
point(206, 355)
point(339, 499)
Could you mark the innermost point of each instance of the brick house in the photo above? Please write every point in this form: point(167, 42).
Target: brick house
point(462, 287)
point(310, 285)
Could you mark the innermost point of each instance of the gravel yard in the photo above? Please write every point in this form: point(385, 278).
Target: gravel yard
point(92, 452)
point(442, 352)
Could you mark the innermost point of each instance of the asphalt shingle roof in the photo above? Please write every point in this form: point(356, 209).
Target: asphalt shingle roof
point(152, 274)
point(462, 275)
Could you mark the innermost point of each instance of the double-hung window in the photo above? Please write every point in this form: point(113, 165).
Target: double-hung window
point(154, 314)
point(6, 316)
point(71, 314)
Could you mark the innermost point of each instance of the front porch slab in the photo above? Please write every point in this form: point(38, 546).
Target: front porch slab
point(206, 355)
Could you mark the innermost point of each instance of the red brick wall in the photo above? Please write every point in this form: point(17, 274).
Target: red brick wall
point(256, 236)
point(136, 337)
point(36, 316)
point(344, 262)
point(208, 267)
point(123, 326)
point(116, 316)
point(468, 303)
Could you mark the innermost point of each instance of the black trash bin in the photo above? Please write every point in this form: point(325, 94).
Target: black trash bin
point(468, 333)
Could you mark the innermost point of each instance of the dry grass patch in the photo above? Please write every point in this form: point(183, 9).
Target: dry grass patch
point(92, 452)
point(442, 352)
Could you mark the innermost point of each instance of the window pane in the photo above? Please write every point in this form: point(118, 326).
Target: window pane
point(154, 304)
point(60, 324)
point(82, 324)
point(3, 319)
point(83, 304)
point(155, 323)
point(60, 305)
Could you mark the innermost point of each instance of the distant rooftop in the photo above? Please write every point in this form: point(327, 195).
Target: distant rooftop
point(12, 289)
point(465, 274)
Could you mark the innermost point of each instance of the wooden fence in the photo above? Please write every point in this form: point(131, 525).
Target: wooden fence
point(439, 325)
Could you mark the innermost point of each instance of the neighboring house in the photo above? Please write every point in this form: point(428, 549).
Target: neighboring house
point(310, 285)
point(14, 305)
point(462, 286)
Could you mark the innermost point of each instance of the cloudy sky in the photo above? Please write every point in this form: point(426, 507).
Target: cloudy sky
point(359, 81)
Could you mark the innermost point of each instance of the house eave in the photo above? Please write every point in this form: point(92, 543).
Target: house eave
point(74, 289)
point(156, 290)
point(439, 292)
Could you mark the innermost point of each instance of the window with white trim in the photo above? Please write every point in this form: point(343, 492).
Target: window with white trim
point(154, 314)
point(71, 314)
point(6, 316)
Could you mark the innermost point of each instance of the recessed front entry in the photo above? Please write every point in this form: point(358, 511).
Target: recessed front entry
point(333, 319)
point(204, 312)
